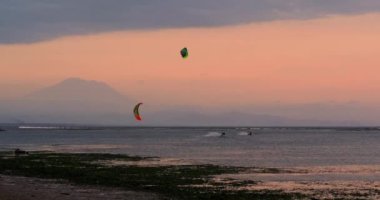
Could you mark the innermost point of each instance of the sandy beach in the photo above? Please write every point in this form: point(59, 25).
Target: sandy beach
point(26, 188)
point(111, 176)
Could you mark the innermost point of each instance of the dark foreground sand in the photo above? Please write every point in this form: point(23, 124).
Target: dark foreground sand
point(25, 188)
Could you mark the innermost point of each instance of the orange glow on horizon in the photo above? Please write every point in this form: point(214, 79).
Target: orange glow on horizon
point(334, 58)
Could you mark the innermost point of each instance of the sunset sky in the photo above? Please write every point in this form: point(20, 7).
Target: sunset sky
point(298, 51)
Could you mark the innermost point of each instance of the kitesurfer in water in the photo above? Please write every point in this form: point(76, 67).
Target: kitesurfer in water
point(20, 152)
point(223, 134)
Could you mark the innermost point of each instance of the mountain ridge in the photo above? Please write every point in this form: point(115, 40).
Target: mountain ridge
point(77, 89)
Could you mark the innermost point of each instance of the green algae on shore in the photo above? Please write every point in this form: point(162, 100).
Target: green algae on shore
point(179, 182)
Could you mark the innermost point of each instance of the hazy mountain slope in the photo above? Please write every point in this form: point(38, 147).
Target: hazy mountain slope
point(73, 100)
point(92, 102)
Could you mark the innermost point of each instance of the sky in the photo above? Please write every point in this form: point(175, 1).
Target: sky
point(37, 20)
point(242, 52)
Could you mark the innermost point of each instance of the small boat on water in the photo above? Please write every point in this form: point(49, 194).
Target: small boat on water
point(2, 129)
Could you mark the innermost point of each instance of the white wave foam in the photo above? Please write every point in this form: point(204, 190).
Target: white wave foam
point(213, 134)
point(243, 133)
point(39, 127)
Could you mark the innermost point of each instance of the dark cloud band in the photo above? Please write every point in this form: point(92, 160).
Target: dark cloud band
point(25, 21)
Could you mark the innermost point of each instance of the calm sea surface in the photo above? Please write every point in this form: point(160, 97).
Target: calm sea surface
point(269, 147)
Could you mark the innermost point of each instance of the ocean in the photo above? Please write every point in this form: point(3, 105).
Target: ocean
point(267, 147)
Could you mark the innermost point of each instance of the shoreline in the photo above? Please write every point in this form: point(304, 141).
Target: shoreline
point(160, 178)
point(186, 181)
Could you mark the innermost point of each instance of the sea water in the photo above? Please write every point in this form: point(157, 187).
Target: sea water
point(267, 147)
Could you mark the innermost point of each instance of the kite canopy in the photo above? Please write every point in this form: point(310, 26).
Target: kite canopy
point(136, 111)
point(184, 53)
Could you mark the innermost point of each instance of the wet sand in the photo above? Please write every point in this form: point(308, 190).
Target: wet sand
point(149, 162)
point(333, 182)
point(26, 188)
point(319, 182)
